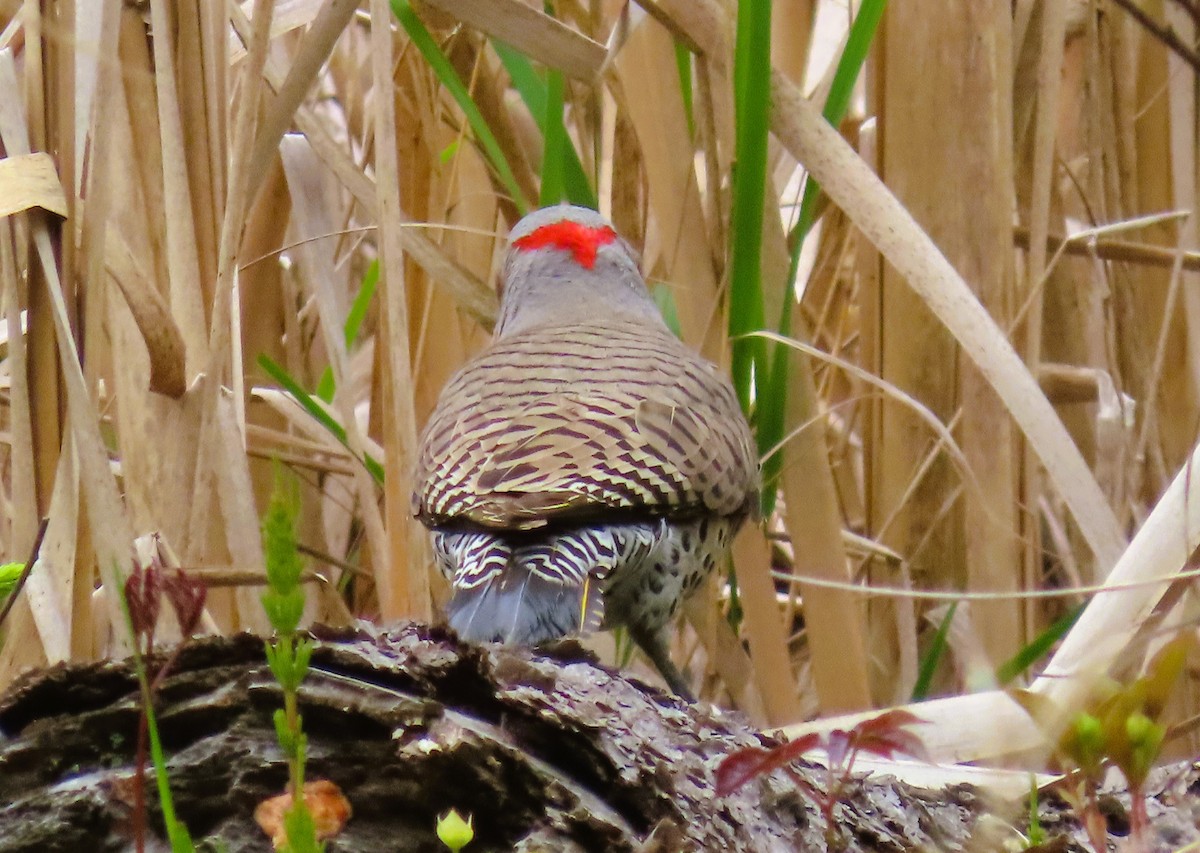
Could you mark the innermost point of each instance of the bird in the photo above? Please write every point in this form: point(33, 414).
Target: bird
point(586, 469)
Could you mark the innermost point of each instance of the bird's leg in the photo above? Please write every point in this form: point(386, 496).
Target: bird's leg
point(654, 644)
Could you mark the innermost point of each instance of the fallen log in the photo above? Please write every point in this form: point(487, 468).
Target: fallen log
point(546, 750)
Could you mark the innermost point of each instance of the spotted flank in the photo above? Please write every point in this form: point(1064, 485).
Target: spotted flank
point(687, 554)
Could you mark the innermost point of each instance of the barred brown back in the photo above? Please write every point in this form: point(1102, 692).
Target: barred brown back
point(580, 421)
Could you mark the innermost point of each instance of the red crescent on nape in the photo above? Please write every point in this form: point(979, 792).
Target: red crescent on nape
point(582, 241)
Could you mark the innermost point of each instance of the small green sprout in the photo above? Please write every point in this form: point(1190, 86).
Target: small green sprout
point(455, 832)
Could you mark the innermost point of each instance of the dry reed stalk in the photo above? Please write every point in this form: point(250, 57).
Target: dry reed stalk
point(89, 462)
point(402, 580)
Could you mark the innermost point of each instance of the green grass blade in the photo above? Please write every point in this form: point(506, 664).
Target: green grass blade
point(9, 574)
point(937, 649)
point(1036, 835)
point(317, 411)
point(752, 77)
point(554, 142)
point(361, 304)
point(1037, 648)
point(683, 62)
point(445, 72)
point(534, 92)
point(326, 386)
point(858, 46)
point(177, 833)
point(665, 300)
point(354, 321)
point(771, 420)
point(525, 79)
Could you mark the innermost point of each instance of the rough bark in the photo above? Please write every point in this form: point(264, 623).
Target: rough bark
point(547, 751)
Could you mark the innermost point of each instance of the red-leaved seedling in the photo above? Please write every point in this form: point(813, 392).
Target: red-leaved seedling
point(144, 590)
point(886, 736)
point(187, 596)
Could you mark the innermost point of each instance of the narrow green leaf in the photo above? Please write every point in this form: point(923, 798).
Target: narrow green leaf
point(933, 656)
point(554, 142)
point(449, 78)
point(752, 77)
point(525, 79)
point(1037, 648)
point(665, 300)
point(326, 387)
point(354, 321)
point(683, 62)
point(858, 46)
point(9, 574)
point(177, 833)
point(771, 414)
point(1036, 835)
point(533, 91)
point(310, 405)
point(361, 304)
point(301, 829)
point(448, 153)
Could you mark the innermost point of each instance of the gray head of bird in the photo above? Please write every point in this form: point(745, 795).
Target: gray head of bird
point(567, 265)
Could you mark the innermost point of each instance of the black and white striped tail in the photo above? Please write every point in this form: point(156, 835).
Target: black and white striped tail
point(531, 591)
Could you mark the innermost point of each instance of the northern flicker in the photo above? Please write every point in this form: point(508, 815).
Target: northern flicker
point(586, 469)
